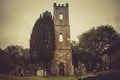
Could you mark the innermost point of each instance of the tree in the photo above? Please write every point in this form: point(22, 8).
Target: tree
point(42, 40)
point(17, 56)
point(6, 62)
point(75, 53)
point(15, 52)
point(12, 57)
point(94, 42)
point(25, 56)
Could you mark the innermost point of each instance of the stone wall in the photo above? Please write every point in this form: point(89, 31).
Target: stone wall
point(62, 54)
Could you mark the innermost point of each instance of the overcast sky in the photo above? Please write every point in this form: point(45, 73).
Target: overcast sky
point(17, 17)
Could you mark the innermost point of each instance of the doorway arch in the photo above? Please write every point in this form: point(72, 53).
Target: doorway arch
point(61, 69)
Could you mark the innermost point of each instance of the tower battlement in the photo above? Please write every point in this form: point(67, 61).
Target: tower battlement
point(61, 10)
point(60, 5)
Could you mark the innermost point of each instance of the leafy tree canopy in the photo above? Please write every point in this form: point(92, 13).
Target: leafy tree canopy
point(93, 43)
point(12, 57)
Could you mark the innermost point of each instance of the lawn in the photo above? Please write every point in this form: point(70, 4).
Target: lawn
point(88, 75)
point(8, 77)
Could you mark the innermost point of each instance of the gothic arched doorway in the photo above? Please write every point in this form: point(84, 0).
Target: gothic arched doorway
point(61, 69)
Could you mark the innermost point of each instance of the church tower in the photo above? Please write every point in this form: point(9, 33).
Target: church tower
point(62, 60)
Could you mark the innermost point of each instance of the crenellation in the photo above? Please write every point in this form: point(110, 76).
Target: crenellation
point(60, 5)
point(66, 4)
point(55, 4)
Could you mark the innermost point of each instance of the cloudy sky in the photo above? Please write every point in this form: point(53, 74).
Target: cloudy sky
point(17, 17)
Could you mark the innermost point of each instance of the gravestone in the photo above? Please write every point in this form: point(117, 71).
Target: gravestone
point(41, 72)
point(81, 69)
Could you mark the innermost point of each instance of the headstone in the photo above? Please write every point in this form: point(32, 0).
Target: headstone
point(21, 72)
point(41, 72)
point(98, 67)
point(82, 69)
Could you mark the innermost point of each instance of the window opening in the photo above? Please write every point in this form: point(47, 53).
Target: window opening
point(61, 38)
point(61, 16)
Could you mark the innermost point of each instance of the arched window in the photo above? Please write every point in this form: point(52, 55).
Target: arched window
point(61, 38)
point(61, 16)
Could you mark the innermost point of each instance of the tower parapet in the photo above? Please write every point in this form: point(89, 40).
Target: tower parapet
point(60, 5)
point(61, 14)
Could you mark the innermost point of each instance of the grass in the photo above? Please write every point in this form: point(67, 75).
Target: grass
point(8, 77)
point(88, 75)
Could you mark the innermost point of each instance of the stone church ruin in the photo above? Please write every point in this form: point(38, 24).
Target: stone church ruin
point(56, 39)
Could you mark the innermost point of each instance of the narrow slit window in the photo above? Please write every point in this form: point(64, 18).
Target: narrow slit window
point(61, 16)
point(61, 38)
